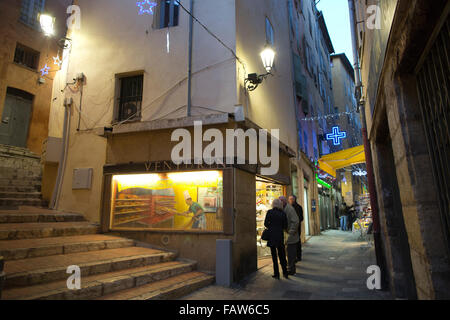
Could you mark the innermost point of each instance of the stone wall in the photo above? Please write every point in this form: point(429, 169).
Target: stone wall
point(396, 112)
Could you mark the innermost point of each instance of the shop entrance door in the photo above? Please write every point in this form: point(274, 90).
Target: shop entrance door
point(306, 211)
point(266, 192)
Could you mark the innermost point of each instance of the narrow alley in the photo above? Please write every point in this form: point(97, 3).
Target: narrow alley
point(333, 268)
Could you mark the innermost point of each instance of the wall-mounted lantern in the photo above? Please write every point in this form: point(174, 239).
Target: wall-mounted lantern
point(47, 24)
point(253, 79)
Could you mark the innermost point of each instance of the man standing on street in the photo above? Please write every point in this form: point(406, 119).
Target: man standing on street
point(299, 210)
point(293, 236)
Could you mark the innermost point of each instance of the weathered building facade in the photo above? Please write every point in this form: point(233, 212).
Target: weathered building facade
point(403, 50)
point(135, 85)
point(26, 92)
point(311, 49)
point(344, 99)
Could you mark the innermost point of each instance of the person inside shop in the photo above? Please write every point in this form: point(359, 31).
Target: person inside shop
point(199, 217)
point(293, 236)
point(299, 210)
point(276, 223)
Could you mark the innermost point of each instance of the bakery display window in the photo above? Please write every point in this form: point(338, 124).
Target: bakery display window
point(175, 200)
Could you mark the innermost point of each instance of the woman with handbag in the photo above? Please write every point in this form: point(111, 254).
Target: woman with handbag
point(276, 223)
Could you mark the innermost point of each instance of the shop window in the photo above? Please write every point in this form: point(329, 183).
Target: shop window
point(170, 201)
point(130, 99)
point(26, 56)
point(29, 12)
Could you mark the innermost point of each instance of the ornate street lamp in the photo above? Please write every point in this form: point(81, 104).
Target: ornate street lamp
point(253, 79)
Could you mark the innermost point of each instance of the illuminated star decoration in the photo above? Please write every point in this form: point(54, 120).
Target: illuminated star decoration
point(57, 61)
point(45, 70)
point(336, 136)
point(143, 3)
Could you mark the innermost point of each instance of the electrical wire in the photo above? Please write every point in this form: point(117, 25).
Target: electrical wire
point(211, 33)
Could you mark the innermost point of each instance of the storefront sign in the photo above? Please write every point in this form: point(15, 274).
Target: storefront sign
point(313, 205)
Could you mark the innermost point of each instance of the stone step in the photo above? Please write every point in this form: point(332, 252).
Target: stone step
point(27, 171)
point(33, 271)
point(16, 202)
point(96, 286)
point(28, 182)
point(18, 231)
point(17, 216)
point(33, 248)
point(17, 151)
point(18, 189)
point(15, 195)
point(171, 288)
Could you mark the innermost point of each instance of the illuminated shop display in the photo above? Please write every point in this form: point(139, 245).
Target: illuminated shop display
point(265, 194)
point(178, 201)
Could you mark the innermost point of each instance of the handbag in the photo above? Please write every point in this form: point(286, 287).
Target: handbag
point(265, 235)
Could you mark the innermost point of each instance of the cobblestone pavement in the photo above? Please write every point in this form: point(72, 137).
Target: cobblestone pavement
point(334, 268)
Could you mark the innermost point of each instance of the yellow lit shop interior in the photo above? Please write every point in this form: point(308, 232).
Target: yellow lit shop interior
point(161, 201)
point(265, 193)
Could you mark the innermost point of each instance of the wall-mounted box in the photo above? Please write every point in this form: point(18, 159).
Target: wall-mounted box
point(52, 148)
point(82, 178)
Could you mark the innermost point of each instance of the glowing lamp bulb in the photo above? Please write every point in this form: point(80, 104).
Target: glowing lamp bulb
point(268, 56)
point(47, 24)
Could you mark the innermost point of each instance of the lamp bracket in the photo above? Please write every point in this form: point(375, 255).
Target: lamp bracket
point(253, 80)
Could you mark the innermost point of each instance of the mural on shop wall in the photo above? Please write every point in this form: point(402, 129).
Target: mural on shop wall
point(378, 51)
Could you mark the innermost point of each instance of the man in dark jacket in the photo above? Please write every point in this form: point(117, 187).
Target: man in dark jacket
point(276, 223)
point(298, 208)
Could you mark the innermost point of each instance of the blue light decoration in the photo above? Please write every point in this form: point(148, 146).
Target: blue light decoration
point(336, 136)
point(45, 70)
point(142, 6)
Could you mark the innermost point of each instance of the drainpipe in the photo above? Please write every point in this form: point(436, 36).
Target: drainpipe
point(62, 161)
point(367, 149)
point(191, 32)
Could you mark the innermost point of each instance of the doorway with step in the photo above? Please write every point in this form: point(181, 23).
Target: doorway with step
point(16, 118)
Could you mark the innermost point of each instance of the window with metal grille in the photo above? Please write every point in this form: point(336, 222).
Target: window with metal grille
point(30, 11)
point(169, 11)
point(433, 84)
point(130, 100)
point(26, 56)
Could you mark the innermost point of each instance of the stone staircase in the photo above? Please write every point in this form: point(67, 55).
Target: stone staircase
point(38, 246)
point(20, 178)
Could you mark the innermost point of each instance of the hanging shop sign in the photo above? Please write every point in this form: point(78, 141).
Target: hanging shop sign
point(336, 136)
point(323, 183)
